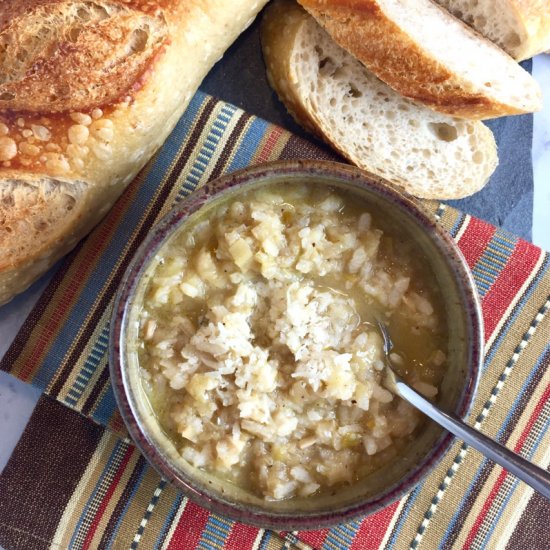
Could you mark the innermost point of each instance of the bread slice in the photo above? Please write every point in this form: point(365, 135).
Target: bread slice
point(333, 95)
point(520, 27)
point(426, 54)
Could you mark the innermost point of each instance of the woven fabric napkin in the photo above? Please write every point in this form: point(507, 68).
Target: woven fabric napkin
point(74, 483)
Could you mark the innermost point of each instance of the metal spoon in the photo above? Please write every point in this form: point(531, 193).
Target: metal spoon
point(534, 476)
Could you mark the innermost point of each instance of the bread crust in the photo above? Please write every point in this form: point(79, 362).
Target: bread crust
point(367, 32)
point(99, 150)
point(47, 48)
point(279, 26)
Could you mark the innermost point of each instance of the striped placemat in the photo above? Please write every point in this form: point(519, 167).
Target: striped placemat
point(72, 483)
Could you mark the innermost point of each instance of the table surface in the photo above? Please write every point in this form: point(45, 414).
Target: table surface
point(17, 400)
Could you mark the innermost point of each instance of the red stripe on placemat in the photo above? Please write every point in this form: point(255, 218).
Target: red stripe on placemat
point(107, 498)
point(514, 274)
point(486, 506)
point(105, 230)
point(475, 239)
point(190, 527)
point(373, 529)
point(45, 338)
point(270, 143)
point(241, 537)
point(313, 538)
point(500, 480)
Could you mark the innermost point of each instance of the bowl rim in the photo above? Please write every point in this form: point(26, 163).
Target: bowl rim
point(174, 219)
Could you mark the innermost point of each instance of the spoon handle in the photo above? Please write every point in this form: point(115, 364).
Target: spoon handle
point(534, 476)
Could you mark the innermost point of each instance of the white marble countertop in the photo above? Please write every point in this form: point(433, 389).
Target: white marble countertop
point(17, 399)
point(541, 157)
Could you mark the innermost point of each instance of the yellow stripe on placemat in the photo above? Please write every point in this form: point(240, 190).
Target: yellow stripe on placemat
point(174, 523)
point(69, 519)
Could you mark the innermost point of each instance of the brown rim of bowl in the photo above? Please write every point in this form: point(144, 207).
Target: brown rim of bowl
point(156, 237)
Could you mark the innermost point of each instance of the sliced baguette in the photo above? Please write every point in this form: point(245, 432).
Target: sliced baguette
point(329, 92)
point(520, 27)
point(426, 54)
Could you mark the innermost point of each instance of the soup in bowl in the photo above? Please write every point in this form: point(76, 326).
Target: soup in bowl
point(246, 357)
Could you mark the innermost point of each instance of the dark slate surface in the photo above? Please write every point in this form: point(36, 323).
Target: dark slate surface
point(507, 200)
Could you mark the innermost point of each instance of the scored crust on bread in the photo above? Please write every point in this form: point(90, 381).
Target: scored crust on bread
point(426, 54)
point(520, 27)
point(428, 154)
point(77, 55)
point(89, 90)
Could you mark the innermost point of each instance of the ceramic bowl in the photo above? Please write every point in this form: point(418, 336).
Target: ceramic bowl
point(390, 482)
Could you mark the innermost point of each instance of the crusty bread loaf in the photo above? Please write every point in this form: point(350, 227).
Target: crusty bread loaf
point(333, 95)
point(520, 27)
point(89, 90)
point(426, 54)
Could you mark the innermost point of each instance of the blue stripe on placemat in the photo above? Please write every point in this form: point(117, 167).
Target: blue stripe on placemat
point(207, 150)
point(169, 519)
point(516, 311)
point(97, 353)
point(109, 471)
point(457, 225)
point(249, 144)
point(342, 535)
point(135, 487)
point(106, 407)
point(265, 540)
point(495, 256)
point(215, 531)
point(404, 514)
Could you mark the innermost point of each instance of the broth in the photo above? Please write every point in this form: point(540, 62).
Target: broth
point(259, 348)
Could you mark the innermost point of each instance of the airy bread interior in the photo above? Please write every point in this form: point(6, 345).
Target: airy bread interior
point(494, 19)
point(427, 153)
point(520, 27)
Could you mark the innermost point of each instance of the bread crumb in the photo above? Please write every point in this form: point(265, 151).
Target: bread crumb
point(8, 148)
